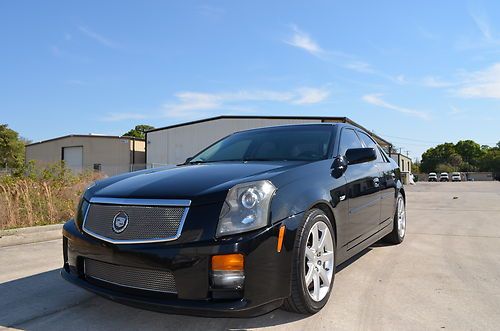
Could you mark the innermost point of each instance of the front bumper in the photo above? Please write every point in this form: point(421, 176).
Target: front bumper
point(267, 272)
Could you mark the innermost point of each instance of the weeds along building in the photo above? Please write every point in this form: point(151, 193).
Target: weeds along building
point(109, 154)
point(173, 144)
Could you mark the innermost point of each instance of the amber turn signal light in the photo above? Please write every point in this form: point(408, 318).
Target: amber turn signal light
point(233, 262)
point(280, 239)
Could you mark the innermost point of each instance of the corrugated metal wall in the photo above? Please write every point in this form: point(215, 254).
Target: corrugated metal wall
point(113, 154)
point(173, 146)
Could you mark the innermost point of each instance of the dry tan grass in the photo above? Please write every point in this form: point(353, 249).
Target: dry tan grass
point(46, 197)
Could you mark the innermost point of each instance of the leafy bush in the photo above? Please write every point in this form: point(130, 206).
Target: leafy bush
point(36, 196)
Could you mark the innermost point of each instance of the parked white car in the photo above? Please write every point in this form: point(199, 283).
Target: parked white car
point(456, 177)
point(433, 177)
point(443, 177)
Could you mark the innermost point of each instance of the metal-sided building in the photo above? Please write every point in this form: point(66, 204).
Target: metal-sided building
point(173, 144)
point(404, 163)
point(109, 154)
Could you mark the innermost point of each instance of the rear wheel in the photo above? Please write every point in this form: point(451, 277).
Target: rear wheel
point(313, 271)
point(399, 230)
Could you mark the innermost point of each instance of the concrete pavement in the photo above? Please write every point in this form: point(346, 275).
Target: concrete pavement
point(30, 235)
point(446, 275)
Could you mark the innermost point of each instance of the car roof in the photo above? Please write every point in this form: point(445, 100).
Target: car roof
point(286, 126)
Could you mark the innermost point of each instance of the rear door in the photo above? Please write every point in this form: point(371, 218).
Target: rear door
point(362, 192)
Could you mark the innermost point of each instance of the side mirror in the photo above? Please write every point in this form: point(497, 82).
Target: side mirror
point(360, 155)
point(188, 159)
point(339, 166)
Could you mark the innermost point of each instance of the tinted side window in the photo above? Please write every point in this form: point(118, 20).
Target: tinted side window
point(348, 140)
point(370, 143)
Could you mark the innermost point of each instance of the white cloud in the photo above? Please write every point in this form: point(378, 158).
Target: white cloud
point(435, 82)
point(360, 66)
point(191, 104)
point(98, 37)
point(308, 95)
point(484, 26)
point(481, 84)
point(401, 79)
point(487, 39)
point(376, 99)
point(484, 83)
point(302, 40)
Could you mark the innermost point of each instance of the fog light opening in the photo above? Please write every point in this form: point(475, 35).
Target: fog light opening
point(228, 271)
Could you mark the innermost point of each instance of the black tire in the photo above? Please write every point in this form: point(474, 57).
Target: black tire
point(300, 301)
point(395, 237)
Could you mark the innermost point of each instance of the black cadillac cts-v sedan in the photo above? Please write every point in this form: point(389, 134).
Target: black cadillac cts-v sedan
point(256, 221)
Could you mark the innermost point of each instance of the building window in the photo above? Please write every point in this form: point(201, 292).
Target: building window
point(97, 167)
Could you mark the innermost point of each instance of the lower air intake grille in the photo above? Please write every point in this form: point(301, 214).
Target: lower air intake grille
point(137, 278)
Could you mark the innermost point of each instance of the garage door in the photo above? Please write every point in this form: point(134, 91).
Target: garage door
point(73, 157)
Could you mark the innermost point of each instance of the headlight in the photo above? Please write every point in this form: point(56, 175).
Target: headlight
point(82, 208)
point(246, 208)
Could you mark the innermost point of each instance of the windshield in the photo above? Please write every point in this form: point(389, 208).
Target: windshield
point(277, 144)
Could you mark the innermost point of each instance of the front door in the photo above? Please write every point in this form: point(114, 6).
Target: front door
point(363, 192)
point(387, 182)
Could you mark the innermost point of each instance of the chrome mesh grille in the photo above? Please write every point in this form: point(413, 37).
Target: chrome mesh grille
point(145, 223)
point(138, 278)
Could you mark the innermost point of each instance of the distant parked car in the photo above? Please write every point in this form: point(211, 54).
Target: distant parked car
point(443, 177)
point(456, 177)
point(433, 177)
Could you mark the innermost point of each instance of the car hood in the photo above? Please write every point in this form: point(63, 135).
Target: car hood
point(201, 183)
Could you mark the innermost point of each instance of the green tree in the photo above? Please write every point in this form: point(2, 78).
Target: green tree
point(470, 151)
point(415, 167)
point(444, 167)
point(11, 148)
point(465, 155)
point(455, 160)
point(437, 155)
point(139, 131)
point(491, 160)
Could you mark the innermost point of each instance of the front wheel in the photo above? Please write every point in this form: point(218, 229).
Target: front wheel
point(313, 270)
point(399, 230)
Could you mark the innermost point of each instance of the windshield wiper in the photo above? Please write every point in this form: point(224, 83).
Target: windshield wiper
point(214, 161)
point(261, 159)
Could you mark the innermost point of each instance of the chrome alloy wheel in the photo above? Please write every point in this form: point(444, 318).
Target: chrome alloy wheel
point(401, 214)
point(319, 261)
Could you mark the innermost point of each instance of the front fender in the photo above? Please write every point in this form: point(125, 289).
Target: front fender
point(304, 193)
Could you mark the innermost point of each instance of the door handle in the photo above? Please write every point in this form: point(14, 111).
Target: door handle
point(376, 181)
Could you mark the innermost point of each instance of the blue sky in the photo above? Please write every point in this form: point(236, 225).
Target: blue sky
point(417, 73)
